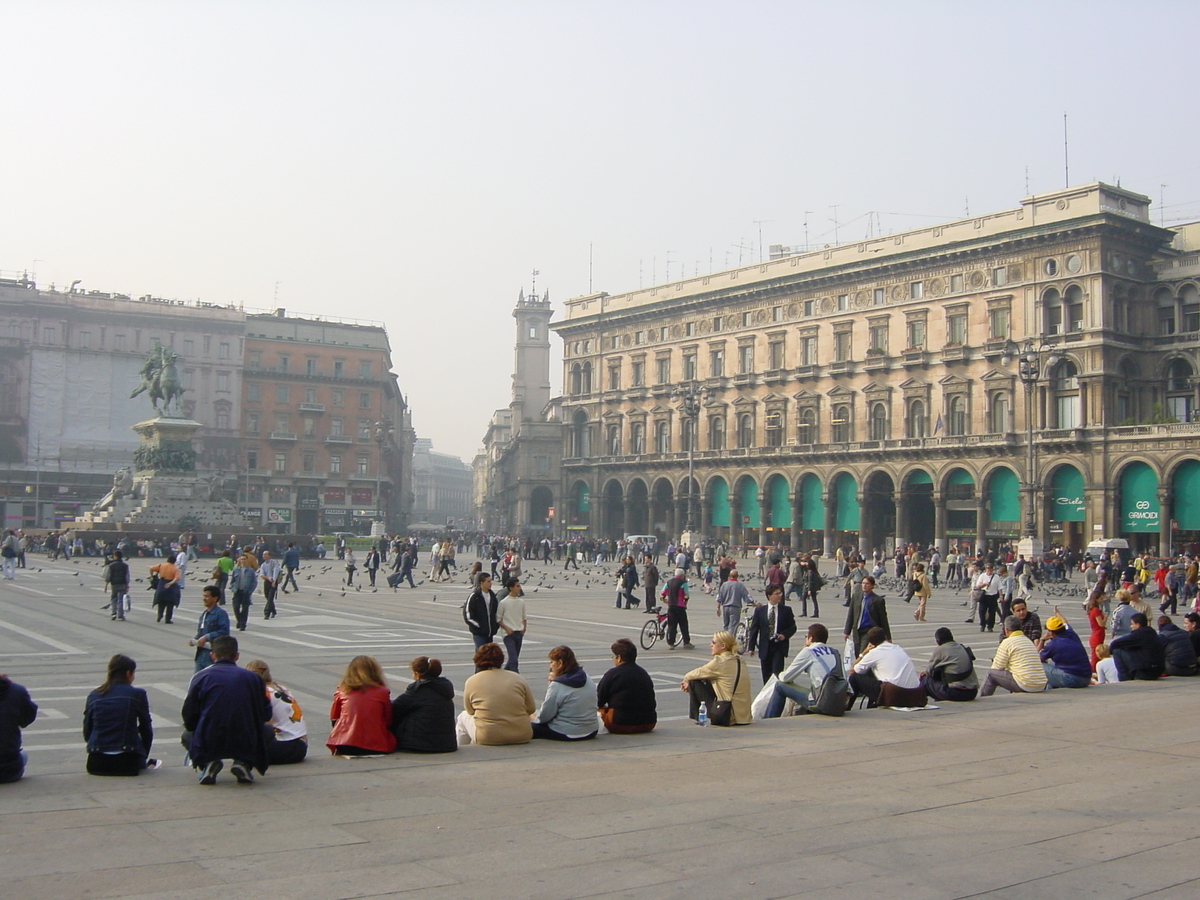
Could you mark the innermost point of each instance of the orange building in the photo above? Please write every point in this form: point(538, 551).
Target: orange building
point(328, 438)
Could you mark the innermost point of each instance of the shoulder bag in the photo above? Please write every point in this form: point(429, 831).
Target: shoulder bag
point(722, 711)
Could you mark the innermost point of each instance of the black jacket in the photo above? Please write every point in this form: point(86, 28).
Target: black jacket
point(1139, 655)
point(480, 614)
point(16, 712)
point(1177, 646)
point(760, 639)
point(423, 717)
point(628, 690)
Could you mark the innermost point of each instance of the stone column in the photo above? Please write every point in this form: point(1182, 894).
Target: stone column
point(861, 500)
point(794, 543)
point(939, 523)
point(901, 519)
point(762, 520)
point(828, 547)
point(680, 515)
point(1165, 516)
point(981, 523)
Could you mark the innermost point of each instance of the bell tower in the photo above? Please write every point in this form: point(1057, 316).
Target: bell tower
point(531, 371)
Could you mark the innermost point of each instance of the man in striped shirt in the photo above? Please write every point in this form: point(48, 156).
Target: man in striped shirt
point(1017, 667)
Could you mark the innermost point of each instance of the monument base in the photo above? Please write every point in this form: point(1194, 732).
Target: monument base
point(1030, 548)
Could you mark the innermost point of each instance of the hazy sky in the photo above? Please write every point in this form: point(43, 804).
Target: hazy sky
point(414, 162)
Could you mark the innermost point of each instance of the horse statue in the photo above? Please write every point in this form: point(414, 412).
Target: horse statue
point(160, 380)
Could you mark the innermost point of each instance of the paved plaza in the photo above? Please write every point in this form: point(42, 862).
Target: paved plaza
point(1061, 795)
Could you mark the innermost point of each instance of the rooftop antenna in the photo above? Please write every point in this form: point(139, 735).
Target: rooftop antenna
point(759, 223)
point(589, 267)
point(640, 261)
point(967, 207)
point(533, 284)
point(834, 207)
point(807, 213)
point(1161, 205)
point(277, 293)
point(1066, 155)
point(669, 252)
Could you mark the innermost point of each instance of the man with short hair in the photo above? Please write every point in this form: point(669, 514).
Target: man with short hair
point(1063, 656)
point(214, 623)
point(883, 662)
point(866, 612)
point(625, 695)
point(731, 596)
point(1031, 622)
point(676, 595)
point(1178, 651)
point(225, 715)
point(1016, 666)
point(650, 578)
point(291, 562)
point(771, 629)
point(1139, 655)
point(806, 672)
point(480, 612)
point(950, 673)
point(268, 571)
point(116, 576)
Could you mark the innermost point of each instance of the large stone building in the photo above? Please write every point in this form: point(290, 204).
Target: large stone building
point(328, 437)
point(884, 390)
point(68, 363)
point(517, 471)
point(441, 488)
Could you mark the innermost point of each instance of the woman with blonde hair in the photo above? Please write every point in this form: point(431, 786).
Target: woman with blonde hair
point(362, 712)
point(289, 734)
point(920, 581)
point(724, 677)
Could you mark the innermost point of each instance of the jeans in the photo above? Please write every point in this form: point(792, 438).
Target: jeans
point(512, 650)
point(1057, 678)
point(117, 600)
point(784, 692)
point(289, 575)
point(480, 639)
point(241, 608)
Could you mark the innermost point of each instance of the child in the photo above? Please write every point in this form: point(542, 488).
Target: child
point(710, 579)
point(1106, 666)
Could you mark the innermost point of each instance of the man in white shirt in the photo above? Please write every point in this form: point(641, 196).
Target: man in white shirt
point(510, 616)
point(882, 662)
point(987, 584)
point(807, 670)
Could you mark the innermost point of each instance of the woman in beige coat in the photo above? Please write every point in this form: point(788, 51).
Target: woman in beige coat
point(497, 703)
point(715, 680)
point(921, 594)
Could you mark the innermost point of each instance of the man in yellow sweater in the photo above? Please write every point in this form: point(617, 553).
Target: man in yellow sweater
point(1017, 667)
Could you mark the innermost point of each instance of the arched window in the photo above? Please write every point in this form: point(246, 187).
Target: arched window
point(774, 428)
point(688, 428)
point(1064, 385)
point(1180, 394)
point(662, 436)
point(716, 433)
point(745, 430)
point(637, 438)
point(807, 433)
point(840, 429)
point(879, 422)
point(1052, 312)
point(1166, 304)
point(1000, 420)
point(956, 416)
point(576, 378)
point(1126, 409)
point(613, 440)
point(1073, 309)
point(915, 423)
point(578, 443)
point(585, 378)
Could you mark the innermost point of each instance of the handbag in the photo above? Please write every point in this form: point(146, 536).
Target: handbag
point(722, 711)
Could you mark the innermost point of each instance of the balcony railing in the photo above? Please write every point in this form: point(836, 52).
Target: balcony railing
point(282, 436)
point(312, 407)
point(339, 439)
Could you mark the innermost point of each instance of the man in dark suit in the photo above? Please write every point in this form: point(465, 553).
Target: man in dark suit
point(771, 628)
point(865, 612)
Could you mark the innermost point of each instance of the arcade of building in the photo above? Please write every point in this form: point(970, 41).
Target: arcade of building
point(873, 393)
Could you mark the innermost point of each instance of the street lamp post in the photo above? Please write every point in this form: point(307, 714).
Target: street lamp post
point(1029, 370)
point(691, 398)
point(385, 432)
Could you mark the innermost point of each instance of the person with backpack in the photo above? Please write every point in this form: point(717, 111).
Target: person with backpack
point(676, 595)
point(479, 612)
point(804, 675)
point(950, 673)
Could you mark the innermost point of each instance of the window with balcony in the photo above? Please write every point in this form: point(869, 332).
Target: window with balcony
point(689, 367)
point(663, 370)
point(614, 378)
point(878, 337)
point(613, 440)
point(1000, 419)
point(1180, 393)
point(808, 350)
point(335, 464)
point(776, 358)
point(842, 346)
point(716, 363)
point(310, 366)
point(280, 462)
point(1073, 306)
point(916, 423)
point(774, 428)
point(956, 416)
point(879, 422)
point(363, 465)
point(998, 327)
point(806, 432)
point(335, 426)
point(637, 373)
point(637, 438)
point(310, 395)
point(662, 437)
point(282, 420)
point(364, 430)
point(956, 329)
point(745, 359)
point(916, 334)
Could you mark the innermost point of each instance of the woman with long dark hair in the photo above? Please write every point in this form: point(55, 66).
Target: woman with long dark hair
point(423, 716)
point(116, 723)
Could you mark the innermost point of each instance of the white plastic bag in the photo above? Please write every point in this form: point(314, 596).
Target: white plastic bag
point(759, 707)
point(849, 655)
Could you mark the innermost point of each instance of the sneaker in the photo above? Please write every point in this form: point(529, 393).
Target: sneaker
point(241, 771)
point(152, 763)
point(209, 774)
point(689, 646)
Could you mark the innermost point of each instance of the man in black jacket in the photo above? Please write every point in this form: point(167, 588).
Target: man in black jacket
point(625, 695)
point(480, 612)
point(1138, 655)
point(771, 630)
point(1177, 648)
point(866, 612)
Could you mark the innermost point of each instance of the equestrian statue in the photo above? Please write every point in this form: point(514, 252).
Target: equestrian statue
point(160, 379)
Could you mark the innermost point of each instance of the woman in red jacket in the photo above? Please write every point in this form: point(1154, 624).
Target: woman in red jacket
point(362, 712)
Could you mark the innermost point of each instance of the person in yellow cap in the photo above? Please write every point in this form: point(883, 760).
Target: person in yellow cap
point(1063, 655)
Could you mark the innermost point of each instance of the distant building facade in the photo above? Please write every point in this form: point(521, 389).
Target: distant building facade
point(874, 392)
point(517, 471)
point(328, 436)
point(442, 486)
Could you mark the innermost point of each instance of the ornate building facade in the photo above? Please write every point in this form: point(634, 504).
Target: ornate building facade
point(517, 470)
point(1031, 371)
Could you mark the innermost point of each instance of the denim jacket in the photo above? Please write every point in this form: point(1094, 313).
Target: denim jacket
point(118, 721)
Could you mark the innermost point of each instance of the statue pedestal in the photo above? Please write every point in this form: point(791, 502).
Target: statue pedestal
point(167, 492)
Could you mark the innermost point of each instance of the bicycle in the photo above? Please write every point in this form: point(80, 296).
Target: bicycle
point(741, 631)
point(655, 630)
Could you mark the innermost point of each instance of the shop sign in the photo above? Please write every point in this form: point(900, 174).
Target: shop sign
point(279, 515)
